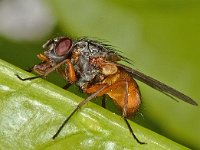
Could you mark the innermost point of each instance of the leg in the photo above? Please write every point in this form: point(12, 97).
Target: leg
point(30, 78)
point(125, 114)
point(130, 129)
point(113, 91)
point(62, 73)
point(66, 86)
point(30, 69)
point(77, 108)
point(70, 71)
point(44, 75)
point(103, 101)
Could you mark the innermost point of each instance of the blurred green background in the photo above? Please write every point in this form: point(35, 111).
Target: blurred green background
point(161, 37)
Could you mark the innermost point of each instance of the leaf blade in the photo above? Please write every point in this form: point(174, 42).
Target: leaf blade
point(32, 111)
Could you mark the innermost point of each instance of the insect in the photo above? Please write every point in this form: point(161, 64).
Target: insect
point(93, 66)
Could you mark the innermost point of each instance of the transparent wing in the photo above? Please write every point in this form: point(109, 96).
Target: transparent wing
point(167, 90)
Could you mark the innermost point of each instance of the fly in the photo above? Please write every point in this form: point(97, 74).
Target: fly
point(93, 66)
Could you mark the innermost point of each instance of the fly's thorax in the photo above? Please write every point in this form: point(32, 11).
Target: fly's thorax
point(82, 71)
point(80, 59)
point(107, 68)
point(92, 62)
point(88, 78)
point(88, 47)
point(81, 47)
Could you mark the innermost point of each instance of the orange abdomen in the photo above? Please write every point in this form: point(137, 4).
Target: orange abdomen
point(117, 90)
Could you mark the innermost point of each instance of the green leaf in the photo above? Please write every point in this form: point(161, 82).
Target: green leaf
point(32, 111)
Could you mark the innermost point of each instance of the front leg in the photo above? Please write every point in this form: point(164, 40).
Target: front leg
point(43, 69)
point(70, 72)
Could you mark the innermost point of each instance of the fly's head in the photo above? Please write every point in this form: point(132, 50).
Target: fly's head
point(56, 50)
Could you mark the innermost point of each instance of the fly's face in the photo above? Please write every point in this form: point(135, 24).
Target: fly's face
point(56, 50)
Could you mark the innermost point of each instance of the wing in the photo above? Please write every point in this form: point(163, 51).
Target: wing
point(167, 90)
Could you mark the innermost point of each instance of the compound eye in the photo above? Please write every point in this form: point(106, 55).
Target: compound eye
point(63, 46)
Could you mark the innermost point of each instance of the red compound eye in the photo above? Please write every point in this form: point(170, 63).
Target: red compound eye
point(63, 46)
